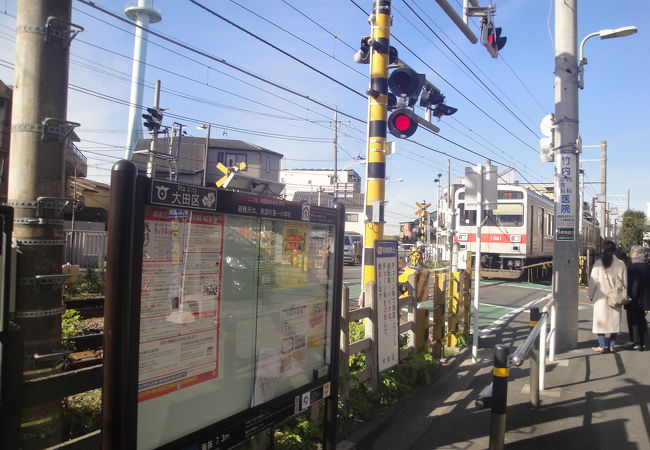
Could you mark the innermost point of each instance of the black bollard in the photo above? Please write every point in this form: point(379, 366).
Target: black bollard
point(499, 397)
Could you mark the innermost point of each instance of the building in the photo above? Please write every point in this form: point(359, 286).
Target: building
point(76, 165)
point(354, 206)
point(312, 180)
point(91, 200)
point(183, 160)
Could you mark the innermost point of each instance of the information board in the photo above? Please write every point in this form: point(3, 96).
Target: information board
point(235, 312)
point(387, 307)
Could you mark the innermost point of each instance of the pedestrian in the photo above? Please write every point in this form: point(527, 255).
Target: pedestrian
point(608, 273)
point(638, 281)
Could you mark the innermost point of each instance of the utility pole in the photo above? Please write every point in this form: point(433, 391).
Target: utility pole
point(451, 205)
point(628, 199)
point(36, 191)
point(567, 240)
point(151, 163)
point(477, 261)
point(603, 188)
point(336, 153)
point(205, 153)
point(380, 21)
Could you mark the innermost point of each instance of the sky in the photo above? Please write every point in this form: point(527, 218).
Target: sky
point(282, 94)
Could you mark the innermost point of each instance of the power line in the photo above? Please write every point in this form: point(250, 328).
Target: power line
point(220, 60)
point(468, 68)
point(275, 47)
point(299, 38)
point(460, 50)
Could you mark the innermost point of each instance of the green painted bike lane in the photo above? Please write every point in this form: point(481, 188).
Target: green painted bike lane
point(489, 313)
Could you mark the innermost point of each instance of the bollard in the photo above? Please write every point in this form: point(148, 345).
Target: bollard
point(534, 361)
point(499, 397)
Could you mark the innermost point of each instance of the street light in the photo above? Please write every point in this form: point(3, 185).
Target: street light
point(603, 34)
point(205, 126)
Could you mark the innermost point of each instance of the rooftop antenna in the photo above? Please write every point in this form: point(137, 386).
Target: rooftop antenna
point(143, 13)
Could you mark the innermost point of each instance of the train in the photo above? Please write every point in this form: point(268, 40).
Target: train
point(518, 233)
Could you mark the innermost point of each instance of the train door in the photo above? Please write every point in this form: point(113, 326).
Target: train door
point(540, 231)
point(531, 230)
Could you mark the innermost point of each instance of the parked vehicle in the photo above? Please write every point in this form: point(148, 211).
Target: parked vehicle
point(352, 248)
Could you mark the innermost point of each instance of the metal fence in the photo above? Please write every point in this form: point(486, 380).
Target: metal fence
point(85, 248)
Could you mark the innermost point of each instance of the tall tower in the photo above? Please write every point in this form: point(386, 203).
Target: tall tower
point(143, 13)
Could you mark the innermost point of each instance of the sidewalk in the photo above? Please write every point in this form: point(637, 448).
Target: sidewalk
point(591, 401)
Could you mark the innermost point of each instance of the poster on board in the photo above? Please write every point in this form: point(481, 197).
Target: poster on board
point(387, 308)
point(180, 293)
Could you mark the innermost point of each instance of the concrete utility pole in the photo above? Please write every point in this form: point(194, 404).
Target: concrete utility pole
point(336, 153)
point(603, 188)
point(567, 239)
point(451, 229)
point(376, 145)
point(36, 189)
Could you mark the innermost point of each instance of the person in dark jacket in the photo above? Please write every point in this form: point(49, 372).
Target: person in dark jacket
point(638, 286)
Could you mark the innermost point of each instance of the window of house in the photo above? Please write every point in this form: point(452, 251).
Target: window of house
point(268, 164)
point(234, 159)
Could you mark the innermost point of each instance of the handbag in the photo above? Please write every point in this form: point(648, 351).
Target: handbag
point(617, 295)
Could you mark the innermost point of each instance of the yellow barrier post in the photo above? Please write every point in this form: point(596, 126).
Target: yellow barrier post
point(437, 343)
point(453, 316)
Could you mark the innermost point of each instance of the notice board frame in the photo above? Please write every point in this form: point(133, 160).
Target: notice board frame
point(130, 193)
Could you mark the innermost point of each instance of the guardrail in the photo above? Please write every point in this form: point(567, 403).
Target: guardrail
point(534, 348)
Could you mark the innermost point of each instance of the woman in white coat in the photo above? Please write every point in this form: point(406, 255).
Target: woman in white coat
point(605, 273)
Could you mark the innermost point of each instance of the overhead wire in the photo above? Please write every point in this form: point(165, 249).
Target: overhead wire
point(275, 47)
point(475, 78)
point(220, 61)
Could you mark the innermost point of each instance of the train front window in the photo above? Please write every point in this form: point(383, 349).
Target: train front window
point(507, 215)
point(467, 218)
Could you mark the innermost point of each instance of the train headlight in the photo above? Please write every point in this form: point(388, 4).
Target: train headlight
point(515, 238)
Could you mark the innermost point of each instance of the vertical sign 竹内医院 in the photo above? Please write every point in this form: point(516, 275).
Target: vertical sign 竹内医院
point(387, 310)
point(567, 204)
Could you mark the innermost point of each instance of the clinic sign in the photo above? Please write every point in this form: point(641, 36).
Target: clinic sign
point(566, 206)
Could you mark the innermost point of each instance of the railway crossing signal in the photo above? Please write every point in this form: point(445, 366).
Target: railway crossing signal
point(422, 209)
point(406, 86)
point(227, 171)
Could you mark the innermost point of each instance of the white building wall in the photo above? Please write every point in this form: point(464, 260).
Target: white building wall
point(314, 180)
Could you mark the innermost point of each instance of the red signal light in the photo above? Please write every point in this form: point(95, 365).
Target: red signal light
point(402, 123)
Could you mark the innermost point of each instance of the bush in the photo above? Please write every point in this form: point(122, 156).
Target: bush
point(70, 327)
point(91, 283)
point(82, 413)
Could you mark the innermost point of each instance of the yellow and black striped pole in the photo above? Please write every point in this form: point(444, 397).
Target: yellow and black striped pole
point(499, 397)
point(376, 155)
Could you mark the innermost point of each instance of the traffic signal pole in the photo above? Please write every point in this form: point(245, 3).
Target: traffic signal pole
point(39, 130)
point(376, 145)
point(151, 162)
point(567, 238)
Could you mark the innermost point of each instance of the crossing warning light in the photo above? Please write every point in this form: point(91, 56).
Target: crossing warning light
point(406, 84)
point(402, 123)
